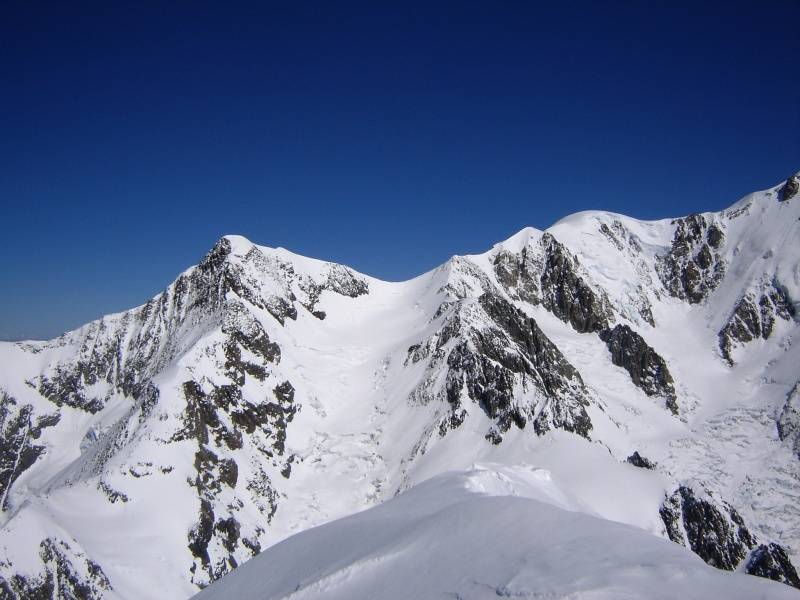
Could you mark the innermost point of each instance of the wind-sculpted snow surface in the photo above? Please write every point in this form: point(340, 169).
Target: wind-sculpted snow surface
point(649, 367)
point(486, 533)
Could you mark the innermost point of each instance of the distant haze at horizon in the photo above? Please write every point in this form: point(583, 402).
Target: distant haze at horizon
point(384, 139)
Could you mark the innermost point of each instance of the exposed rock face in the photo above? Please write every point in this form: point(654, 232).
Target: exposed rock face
point(755, 318)
point(120, 356)
point(520, 273)
point(647, 369)
point(222, 421)
point(717, 534)
point(340, 280)
point(566, 294)
point(637, 460)
point(272, 283)
point(770, 561)
point(19, 432)
point(68, 574)
point(789, 420)
point(550, 275)
point(790, 188)
point(510, 369)
point(693, 267)
point(246, 338)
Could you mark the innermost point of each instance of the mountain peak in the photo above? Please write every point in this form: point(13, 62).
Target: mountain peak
point(518, 241)
point(239, 244)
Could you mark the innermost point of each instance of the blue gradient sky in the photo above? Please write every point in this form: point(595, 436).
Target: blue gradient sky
point(133, 136)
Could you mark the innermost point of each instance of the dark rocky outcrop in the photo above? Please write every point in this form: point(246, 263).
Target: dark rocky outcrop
point(246, 337)
point(339, 280)
point(271, 282)
point(205, 421)
point(716, 533)
point(550, 275)
point(113, 495)
point(789, 420)
point(645, 366)
point(520, 274)
point(790, 188)
point(755, 318)
point(637, 460)
point(65, 387)
point(121, 354)
point(693, 267)
point(18, 433)
point(612, 237)
point(566, 294)
point(67, 574)
point(510, 369)
point(770, 561)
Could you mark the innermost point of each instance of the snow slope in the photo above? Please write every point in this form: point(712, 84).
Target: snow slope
point(264, 393)
point(487, 532)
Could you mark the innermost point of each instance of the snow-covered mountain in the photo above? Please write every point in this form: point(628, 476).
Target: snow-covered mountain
point(642, 373)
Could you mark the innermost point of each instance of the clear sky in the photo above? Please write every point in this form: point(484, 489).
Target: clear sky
point(133, 135)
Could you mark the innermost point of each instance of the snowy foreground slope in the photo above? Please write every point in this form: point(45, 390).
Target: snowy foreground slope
point(489, 532)
point(649, 368)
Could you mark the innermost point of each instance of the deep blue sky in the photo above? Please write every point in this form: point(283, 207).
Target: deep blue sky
point(132, 136)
